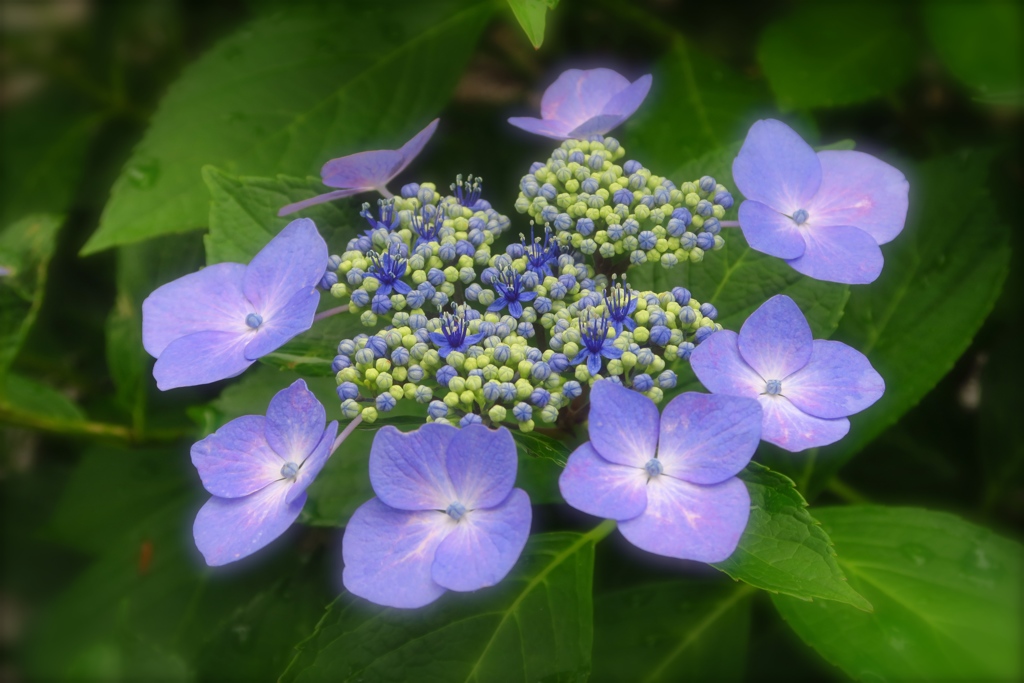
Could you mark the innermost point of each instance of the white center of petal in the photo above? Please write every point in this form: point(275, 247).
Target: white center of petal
point(289, 470)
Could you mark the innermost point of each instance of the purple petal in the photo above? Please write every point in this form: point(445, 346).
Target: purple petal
point(690, 522)
point(288, 322)
point(484, 545)
point(624, 103)
point(209, 300)
point(721, 369)
point(315, 462)
point(321, 199)
point(578, 95)
point(482, 465)
point(236, 460)
point(201, 358)
point(859, 190)
point(705, 439)
point(623, 424)
point(594, 363)
point(228, 529)
point(515, 309)
point(557, 130)
point(840, 254)
point(409, 471)
point(294, 260)
point(769, 232)
point(604, 489)
point(295, 422)
point(838, 381)
point(776, 339)
point(388, 554)
point(790, 428)
point(412, 149)
point(776, 167)
point(362, 170)
point(598, 125)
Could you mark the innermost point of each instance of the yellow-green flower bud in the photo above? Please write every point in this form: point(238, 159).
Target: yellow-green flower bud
point(467, 397)
point(382, 365)
point(505, 374)
point(396, 392)
point(456, 359)
point(370, 375)
point(570, 349)
point(339, 289)
point(451, 399)
point(628, 360)
point(369, 414)
point(582, 374)
point(641, 335)
point(473, 382)
point(384, 381)
point(368, 318)
point(497, 413)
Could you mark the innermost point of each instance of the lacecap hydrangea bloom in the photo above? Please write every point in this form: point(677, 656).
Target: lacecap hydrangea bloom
point(807, 387)
point(670, 482)
point(258, 469)
point(365, 171)
point(825, 213)
point(211, 325)
point(446, 515)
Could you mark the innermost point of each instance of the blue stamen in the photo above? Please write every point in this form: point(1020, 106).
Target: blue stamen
point(594, 332)
point(773, 387)
point(654, 467)
point(799, 216)
point(387, 216)
point(620, 303)
point(289, 470)
point(254, 320)
point(456, 510)
point(541, 254)
point(454, 328)
point(388, 267)
point(427, 225)
point(467, 192)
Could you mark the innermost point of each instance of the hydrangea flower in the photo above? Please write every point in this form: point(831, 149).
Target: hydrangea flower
point(454, 335)
point(825, 213)
point(583, 103)
point(365, 171)
point(389, 268)
point(509, 286)
point(541, 254)
point(214, 324)
point(670, 482)
point(258, 469)
point(621, 303)
point(386, 218)
point(446, 515)
point(594, 337)
point(807, 387)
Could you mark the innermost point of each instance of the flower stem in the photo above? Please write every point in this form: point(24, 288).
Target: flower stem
point(345, 432)
point(385, 192)
point(331, 311)
point(729, 224)
point(601, 530)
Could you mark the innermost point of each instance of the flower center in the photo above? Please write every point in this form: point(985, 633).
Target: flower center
point(254, 320)
point(467, 192)
point(594, 332)
point(654, 467)
point(289, 470)
point(799, 216)
point(454, 328)
point(618, 302)
point(456, 510)
point(773, 387)
point(387, 266)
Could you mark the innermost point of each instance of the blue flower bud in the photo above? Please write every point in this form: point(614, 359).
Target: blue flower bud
point(683, 214)
point(346, 347)
point(386, 402)
point(662, 196)
point(437, 409)
point(410, 190)
point(536, 166)
point(548, 192)
point(380, 304)
point(622, 196)
point(707, 183)
point(522, 412)
point(631, 167)
point(562, 222)
point(590, 185)
point(704, 208)
point(596, 161)
point(572, 389)
point(465, 248)
point(440, 299)
point(507, 391)
point(502, 353)
point(576, 156)
point(724, 199)
point(534, 355)
point(712, 225)
point(681, 295)
point(630, 226)
point(445, 374)
point(340, 363)
point(540, 371)
point(400, 356)
point(470, 419)
point(525, 329)
point(616, 232)
point(446, 252)
point(415, 373)
point(703, 333)
point(685, 349)
point(688, 241)
point(647, 240)
point(687, 316)
point(648, 201)
point(360, 297)
point(503, 330)
point(529, 280)
point(705, 240)
point(348, 390)
point(515, 250)
point(529, 187)
point(558, 291)
point(644, 357)
point(667, 380)
point(675, 227)
point(435, 276)
point(708, 311)
point(415, 299)
point(660, 335)
point(548, 214)
point(643, 382)
point(378, 345)
point(333, 262)
point(422, 336)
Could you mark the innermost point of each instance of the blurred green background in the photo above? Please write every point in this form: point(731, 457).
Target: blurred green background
point(100, 579)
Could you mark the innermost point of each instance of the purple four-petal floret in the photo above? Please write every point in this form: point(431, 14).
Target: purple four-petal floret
point(669, 482)
point(258, 469)
point(446, 515)
point(583, 103)
point(807, 387)
point(365, 171)
point(825, 213)
point(211, 325)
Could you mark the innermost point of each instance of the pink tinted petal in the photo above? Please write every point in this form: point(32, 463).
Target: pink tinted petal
point(839, 381)
point(593, 485)
point(294, 260)
point(288, 322)
point(482, 465)
point(627, 101)
point(690, 522)
point(790, 428)
point(363, 169)
point(707, 438)
point(769, 232)
point(295, 422)
point(228, 529)
point(321, 199)
point(388, 554)
point(210, 300)
point(859, 190)
point(840, 254)
point(578, 95)
point(721, 369)
point(484, 545)
point(315, 462)
point(409, 471)
point(776, 167)
point(556, 130)
point(412, 149)
point(201, 358)
point(623, 424)
point(599, 125)
point(776, 339)
point(236, 460)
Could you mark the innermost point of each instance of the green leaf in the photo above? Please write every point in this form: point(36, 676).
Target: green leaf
point(541, 461)
point(531, 15)
point(284, 94)
point(534, 625)
point(312, 352)
point(27, 397)
point(826, 55)
point(980, 44)
point(784, 549)
point(672, 631)
point(946, 596)
point(934, 293)
point(26, 248)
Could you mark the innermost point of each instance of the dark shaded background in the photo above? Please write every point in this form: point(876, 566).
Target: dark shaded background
point(82, 78)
